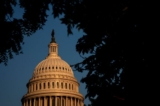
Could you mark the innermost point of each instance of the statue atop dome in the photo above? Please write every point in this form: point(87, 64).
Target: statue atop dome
point(53, 39)
point(52, 34)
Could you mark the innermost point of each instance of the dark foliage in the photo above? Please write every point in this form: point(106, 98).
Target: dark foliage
point(118, 35)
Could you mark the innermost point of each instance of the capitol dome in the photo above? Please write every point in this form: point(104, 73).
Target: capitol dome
point(53, 82)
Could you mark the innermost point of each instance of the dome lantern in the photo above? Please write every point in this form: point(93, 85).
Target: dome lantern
point(53, 46)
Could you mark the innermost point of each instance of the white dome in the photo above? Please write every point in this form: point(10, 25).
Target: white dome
point(53, 65)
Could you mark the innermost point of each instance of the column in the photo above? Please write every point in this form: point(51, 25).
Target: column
point(81, 103)
point(34, 102)
point(71, 101)
point(75, 102)
point(29, 104)
point(66, 101)
point(61, 100)
point(39, 101)
point(50, 101)
point(42, 101)
point(45, 102)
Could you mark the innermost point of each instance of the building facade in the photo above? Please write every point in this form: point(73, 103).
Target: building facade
point(53, 83)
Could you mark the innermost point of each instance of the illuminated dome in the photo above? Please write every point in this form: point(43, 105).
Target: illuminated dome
point(52, 65)
point(53, 82)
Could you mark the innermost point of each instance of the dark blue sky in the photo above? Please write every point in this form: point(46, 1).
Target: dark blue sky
point(14, 77)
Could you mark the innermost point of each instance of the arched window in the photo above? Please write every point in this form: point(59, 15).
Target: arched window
point(36, 86)
point(72, 86)
point(44, 85)
point(32, 87)
point(61, 84)
point(52, 84)
point(57, 85)
point(69, 86)
point(48, 85)
point(54, 48)
point(66, 85)
point(40, 86)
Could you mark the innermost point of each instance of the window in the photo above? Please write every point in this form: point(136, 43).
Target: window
point(48, 85)
point(40, 86)
point(57, 85)
point(54, 49)
point(61, 84)
point(66, 85)
point(44, 86)
point(52, 84)
point(36, 86)
point(69, 86)
point(32, 87)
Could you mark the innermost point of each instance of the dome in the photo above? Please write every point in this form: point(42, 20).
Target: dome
point(53, 83)
point(53, 65)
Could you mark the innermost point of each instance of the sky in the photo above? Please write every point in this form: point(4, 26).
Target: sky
point(14, 76)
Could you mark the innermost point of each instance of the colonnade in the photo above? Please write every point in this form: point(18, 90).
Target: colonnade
point(52, 101)
point(52, 84)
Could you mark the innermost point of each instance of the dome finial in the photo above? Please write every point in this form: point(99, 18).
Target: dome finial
point(53, 39)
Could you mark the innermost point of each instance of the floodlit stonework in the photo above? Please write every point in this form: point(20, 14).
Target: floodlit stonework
point(53, 83)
